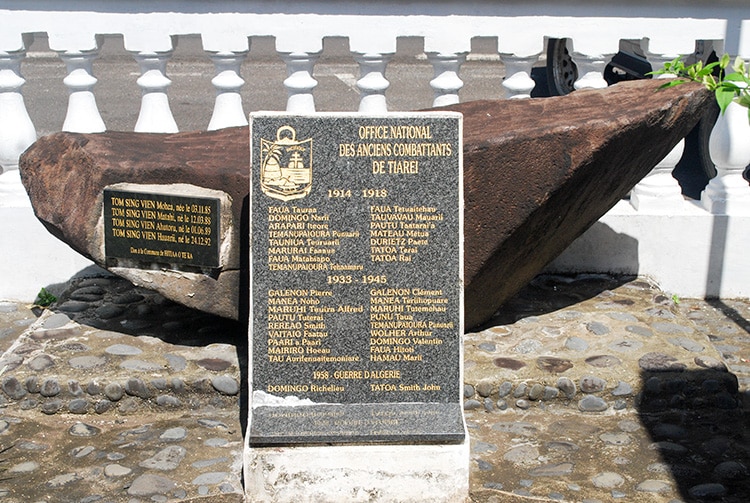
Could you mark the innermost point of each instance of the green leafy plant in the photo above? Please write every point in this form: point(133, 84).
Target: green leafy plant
point(44, 298)
point(726, 85)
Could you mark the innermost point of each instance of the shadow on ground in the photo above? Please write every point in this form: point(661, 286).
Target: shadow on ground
point(699, 425)
point(700, 420)
point(547, 293)
point(113, 303)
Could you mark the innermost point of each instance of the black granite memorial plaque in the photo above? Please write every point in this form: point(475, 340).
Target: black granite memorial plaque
point(149, 228)
point(356, 267)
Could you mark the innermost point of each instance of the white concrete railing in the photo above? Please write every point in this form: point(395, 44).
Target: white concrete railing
point(594, 28)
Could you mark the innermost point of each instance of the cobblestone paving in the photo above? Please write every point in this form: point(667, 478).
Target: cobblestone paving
point(93, 412)
point(581, 389)
point(591, 389)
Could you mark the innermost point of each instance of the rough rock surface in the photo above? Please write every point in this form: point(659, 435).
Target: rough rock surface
point(65, 174)
point(537, 174)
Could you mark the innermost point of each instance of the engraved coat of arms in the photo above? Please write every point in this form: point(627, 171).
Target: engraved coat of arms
point(286, 165)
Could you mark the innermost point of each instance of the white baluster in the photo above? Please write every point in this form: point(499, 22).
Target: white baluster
point(17, 131)
point(82, 115)
point(659, 190)
point(372, 83)
point(300, 82)
point(155, 115)
point(518, 82)
point(590, 70)
point(228, 111)
point(446, 83)
point(729, 145)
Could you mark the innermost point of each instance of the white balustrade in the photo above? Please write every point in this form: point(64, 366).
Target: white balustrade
point(300, 82)
point(155, 115)
point(518, 82)
point(593, 31)
point(372, 83)
point(729, 147)
point(591, 70)
point(659, 190)
point(16, 129)
point(83, 114)
point(446, 83)
point(228, 109)
point(591, 55)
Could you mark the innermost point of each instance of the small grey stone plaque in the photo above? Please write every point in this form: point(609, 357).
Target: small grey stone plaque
point(356, 278)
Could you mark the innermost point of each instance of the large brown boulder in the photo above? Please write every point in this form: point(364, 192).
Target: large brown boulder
point(537, 174)
point(65, 174)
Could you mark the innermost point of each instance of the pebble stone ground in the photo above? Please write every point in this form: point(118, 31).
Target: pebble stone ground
point(583, 389)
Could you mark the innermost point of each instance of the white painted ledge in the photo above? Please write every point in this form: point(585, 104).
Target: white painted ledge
point(30, 257)
point(688, 252)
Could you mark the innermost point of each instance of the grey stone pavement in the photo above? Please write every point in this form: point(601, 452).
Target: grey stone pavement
point(582, 389)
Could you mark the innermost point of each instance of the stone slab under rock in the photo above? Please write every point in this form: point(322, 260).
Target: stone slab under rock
point(537, 174)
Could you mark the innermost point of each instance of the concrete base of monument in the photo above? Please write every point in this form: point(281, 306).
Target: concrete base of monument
point(352, 473)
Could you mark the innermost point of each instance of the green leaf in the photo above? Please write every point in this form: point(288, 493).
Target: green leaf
point(744, 100)
point(724, 61)
point(44, 298)
point(725, 86)
point(739, 65)
point(724, 98)
point(672, 83)
point(735, 77)
point(710, 82)
point(706, 70)
point(731, 87)
point(675, 64)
